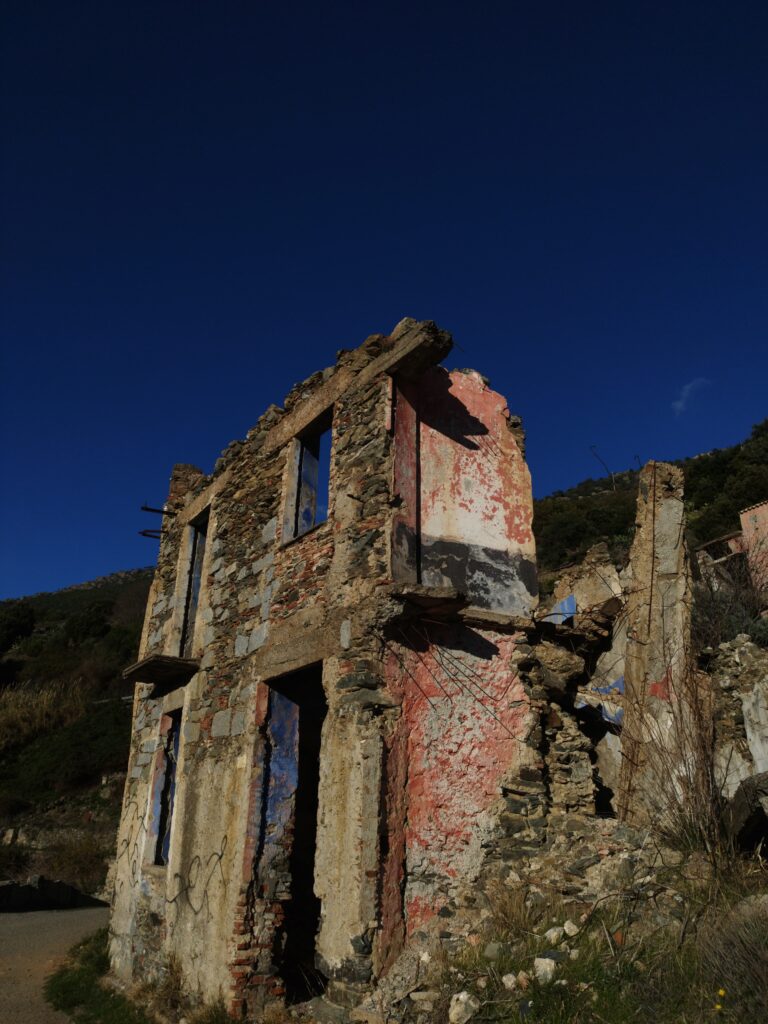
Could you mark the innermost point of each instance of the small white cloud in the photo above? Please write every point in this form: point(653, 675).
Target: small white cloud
point(687, 392)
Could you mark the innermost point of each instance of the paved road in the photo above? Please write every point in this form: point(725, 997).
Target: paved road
point(31, 946)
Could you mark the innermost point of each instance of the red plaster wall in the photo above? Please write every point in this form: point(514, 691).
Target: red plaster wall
point(463, 725)
point(475, 485)
point(466, 513)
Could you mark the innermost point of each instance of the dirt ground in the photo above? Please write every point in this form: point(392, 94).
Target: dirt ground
point(31, 946)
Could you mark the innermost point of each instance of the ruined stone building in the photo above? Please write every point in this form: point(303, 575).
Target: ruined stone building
point(325, 698)
point(349, 716)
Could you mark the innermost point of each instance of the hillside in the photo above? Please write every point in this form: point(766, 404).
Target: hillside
point(718, 485)
point(65, 723)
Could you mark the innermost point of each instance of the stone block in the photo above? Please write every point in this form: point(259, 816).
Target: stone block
point(222, 723)
point(191, 732)
point(257, 637)
point(345, 633)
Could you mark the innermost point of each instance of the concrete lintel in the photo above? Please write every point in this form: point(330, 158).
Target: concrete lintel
point(499, 621)
point(164, 670)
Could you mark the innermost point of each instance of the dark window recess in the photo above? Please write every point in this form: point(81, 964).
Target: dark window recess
point(297, 709)
point(314, 476)
point(199, 535)
point(168, 788)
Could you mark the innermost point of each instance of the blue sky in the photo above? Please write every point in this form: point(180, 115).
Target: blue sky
point(202, 202)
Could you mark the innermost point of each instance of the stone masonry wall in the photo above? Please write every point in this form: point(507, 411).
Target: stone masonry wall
point(660, 682)
point(406, 606)
point(266, 607)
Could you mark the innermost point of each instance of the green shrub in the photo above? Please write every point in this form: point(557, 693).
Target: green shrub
point(734, 949)
point(92, 622)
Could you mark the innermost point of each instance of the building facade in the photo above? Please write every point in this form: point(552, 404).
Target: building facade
point(326, 700)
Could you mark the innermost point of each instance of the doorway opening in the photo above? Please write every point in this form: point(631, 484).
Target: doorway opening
point(297, 711)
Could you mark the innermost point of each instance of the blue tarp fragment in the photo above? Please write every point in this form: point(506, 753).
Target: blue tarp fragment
point(562, 611)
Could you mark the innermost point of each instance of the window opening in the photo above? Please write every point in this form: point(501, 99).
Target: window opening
point(168, 788)
point(314, 476)
point(197, 554)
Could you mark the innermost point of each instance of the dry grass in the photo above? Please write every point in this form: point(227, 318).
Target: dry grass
point(685, 772)
point(164, 996)
point(516, 918)
point(80, 859)
point(169, 991)
point(276, 1013)
point(213, 1013)
point(166, 999)
point(27, 711)
point(668, 777)
point(733, 948)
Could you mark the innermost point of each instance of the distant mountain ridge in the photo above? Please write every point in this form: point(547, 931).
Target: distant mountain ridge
point(121, 576)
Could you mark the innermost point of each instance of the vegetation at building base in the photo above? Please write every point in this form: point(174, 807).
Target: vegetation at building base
point(688, 946)
point(76, 989)
point(718, 485)
point(624, 960)
point(79, 989)
point(65, 725)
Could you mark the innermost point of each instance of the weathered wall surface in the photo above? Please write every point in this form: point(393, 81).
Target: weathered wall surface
point(456, 742)
point(428, 486)
point(660, 723)
point(464, 716)
point(466, 490)
point(126, 951)
point(347, 858)
point(740, 677)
